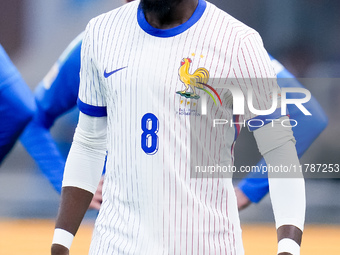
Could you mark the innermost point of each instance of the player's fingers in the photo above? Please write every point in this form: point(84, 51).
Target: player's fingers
point(97, 197)
point(100, 188)
point(95, 204)
point(242, 199)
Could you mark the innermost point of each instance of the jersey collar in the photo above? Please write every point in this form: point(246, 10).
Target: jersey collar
point(175, 30)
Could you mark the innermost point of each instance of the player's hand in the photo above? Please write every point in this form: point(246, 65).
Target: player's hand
point(242, 200)
point(57, 249)
point(97, 198)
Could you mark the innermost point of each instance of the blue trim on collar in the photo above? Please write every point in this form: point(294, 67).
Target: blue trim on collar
point(175, 30)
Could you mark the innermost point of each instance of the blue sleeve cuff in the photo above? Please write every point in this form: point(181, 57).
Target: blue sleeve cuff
point(94, 111)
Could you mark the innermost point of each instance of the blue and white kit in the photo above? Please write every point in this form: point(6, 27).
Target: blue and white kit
point(57, 93)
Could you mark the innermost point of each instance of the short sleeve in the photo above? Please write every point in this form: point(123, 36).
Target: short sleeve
point(92, 100)
point(255, 76)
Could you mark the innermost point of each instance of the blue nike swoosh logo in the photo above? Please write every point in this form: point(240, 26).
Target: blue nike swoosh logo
point(106, 75)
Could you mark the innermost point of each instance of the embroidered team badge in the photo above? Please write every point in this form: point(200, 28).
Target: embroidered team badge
point(197, 79)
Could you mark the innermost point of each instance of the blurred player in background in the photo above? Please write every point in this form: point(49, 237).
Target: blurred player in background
point(129, 218)
point(55, 95)
point(16, 104)
point(255, 186)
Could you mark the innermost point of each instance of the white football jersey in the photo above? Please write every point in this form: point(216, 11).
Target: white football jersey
point(149, 82)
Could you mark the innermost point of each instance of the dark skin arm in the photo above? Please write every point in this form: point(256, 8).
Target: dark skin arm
point(73, 206)
point(289, 231)
point(285, 231)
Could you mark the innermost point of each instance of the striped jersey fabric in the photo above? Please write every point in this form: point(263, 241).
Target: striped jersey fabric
point(133, 73)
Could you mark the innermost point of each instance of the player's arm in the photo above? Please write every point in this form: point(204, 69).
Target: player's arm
point(277, 145)
point(255, 186)
point(86, 159)
point(83, 170)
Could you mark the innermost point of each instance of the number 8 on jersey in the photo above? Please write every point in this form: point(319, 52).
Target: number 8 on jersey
point(149, 138)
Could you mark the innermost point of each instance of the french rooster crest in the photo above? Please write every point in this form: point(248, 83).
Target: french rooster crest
point(198, 79)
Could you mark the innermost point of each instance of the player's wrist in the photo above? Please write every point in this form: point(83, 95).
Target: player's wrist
point(288, 246)
point(57, 249)
point(63, 238)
